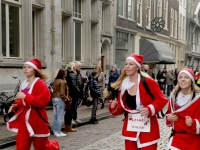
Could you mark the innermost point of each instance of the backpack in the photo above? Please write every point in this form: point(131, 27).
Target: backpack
point(144, 83)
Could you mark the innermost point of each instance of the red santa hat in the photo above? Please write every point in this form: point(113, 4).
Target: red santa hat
point(35, 63)
point(189, 72)
point(136, 58)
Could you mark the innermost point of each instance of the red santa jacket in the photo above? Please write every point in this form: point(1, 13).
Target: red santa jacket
point(154, 106)
point(191, 138)
point(37, 97)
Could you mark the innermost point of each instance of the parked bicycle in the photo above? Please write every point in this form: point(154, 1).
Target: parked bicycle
point(9, 101)
point(3, 104)
point(49, 84)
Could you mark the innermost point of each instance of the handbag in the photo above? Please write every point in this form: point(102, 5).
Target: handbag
point(68, 105)
point(107, 94)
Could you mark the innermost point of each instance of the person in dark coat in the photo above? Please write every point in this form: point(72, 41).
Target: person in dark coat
point(164, 74)
point(95, 94)
point(113, 76)
point(151, 74)
point(74, 82)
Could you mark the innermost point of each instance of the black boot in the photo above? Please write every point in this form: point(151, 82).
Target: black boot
point(102, 105)
point(94, 121)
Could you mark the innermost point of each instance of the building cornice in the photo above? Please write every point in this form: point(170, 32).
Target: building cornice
point(66, 13)
point(38, 6)
point(118, 28)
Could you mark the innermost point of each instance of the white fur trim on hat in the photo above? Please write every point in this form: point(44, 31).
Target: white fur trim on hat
point(188, 73)
point(133, 59)
point(31, 64)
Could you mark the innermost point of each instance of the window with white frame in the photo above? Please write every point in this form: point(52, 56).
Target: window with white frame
point(10, 29)
point(148, 11)
point(139, 12)
point(171, 22)
point(159, 8)
point(183, 29)
point(77, 8)
point(165, 12)
point(77, 40)
point(122, 8)
point(175, 23)
point(131, 9)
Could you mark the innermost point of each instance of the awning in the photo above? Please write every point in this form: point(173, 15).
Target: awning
point(156, 52)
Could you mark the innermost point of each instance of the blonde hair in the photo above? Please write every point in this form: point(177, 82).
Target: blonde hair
point(71, 67)
point(194, 88)
point(123, 75)
point(41, 74)
point(100, 70)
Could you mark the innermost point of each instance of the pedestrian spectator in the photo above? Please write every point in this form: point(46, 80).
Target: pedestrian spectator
point(184, 113)
point(88, 72)
point(121, 70)
point(176, 76)
point(60, 98)
point(101, 78)
point(95, 94)
point(145, 68)
point(197, 78)
point(137, 104)
point(30, 121)
point(74, 92)
point(170, 81)
point(196, 71)
point(159, 79)
point(164, 73)
point(80, 86)
point(151, 74)
point(113, 76)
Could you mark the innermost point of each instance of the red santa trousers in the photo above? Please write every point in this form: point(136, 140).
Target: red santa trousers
point(23, 141)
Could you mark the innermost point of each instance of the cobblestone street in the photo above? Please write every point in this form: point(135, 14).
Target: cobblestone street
point(103, 136)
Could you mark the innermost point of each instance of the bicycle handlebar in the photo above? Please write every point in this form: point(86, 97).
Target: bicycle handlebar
point(14, 77)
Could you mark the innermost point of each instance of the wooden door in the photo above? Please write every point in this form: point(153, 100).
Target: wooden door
point(102, 63)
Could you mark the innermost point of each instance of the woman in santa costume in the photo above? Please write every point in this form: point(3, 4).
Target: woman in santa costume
point(31, 100)
point(184, 113)
point(140, 129)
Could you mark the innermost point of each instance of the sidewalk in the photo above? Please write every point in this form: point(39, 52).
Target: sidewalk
point(7, 138)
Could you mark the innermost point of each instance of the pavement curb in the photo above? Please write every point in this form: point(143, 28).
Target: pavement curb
point(11, 140)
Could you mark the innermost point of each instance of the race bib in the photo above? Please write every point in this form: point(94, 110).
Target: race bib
point(138, 123)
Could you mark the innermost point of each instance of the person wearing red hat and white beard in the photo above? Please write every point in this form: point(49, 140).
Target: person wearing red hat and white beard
point(33, 96)
point(184, 113)
point(140, 129)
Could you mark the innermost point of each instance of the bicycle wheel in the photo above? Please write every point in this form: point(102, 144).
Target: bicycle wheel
point(80, 101)
point(6, 118)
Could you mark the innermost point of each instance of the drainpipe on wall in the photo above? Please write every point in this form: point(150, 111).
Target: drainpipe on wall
point(53, 37)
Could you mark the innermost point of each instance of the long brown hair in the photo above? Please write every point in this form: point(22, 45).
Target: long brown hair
point(41, 74)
